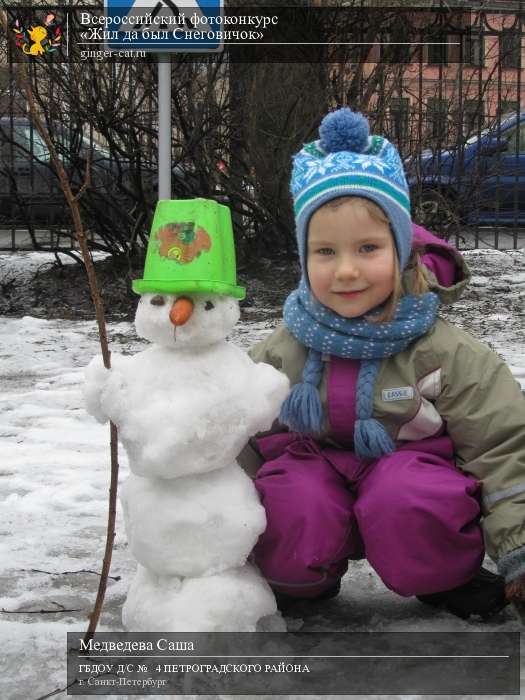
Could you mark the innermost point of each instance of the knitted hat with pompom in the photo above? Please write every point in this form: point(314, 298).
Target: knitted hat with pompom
point(347, 161)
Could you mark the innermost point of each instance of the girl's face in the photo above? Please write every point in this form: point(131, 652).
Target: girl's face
point(350, 259)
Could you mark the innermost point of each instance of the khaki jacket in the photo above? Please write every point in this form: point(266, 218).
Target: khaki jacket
point(448, 379)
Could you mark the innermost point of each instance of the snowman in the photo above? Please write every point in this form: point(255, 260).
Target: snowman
point(185, 407)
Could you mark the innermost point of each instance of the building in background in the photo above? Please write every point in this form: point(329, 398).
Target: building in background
point(450, 86)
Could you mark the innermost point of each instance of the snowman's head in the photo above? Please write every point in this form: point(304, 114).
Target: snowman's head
point(185, 320)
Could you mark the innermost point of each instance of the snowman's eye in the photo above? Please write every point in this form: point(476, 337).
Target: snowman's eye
point(158, 300)
point(209, 306)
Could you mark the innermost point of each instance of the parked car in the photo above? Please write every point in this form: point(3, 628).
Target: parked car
point(481, 181)
point(30, 186)
point(27, 178)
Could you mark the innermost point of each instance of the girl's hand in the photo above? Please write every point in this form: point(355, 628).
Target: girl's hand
point(515, 590)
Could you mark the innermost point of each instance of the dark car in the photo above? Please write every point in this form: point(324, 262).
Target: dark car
point(29, 186)
point(28, 183)
point(481, 181)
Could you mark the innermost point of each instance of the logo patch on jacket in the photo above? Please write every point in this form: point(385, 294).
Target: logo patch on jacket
point(400, 394)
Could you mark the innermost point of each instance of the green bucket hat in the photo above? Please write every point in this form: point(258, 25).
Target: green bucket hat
point(191, 249)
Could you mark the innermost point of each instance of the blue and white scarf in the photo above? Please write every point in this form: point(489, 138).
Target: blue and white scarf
point(324, 331)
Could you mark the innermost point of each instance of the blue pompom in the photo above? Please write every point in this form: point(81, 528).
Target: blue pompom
point(344, 130)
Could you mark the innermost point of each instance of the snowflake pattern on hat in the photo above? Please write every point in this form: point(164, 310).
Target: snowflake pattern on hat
point(312, 163)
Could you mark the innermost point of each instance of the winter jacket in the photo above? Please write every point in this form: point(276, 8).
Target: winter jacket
point(445, 380)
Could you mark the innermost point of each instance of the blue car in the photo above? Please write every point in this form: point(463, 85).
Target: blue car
point(481, 181)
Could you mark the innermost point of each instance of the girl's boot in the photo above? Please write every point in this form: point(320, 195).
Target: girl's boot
point(483, 595)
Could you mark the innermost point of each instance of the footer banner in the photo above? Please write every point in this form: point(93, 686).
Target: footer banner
point(324, 663)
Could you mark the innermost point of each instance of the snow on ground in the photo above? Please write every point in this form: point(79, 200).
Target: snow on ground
point(54, 477)
point(493, 307)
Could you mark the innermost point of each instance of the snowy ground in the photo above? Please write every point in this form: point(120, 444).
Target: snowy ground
point(54, 483)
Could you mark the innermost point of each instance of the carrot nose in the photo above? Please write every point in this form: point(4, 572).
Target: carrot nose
point(181, 311)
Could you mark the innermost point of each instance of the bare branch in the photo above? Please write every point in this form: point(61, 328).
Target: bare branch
point(25, 84)
point(64, 573)
point(87, 179)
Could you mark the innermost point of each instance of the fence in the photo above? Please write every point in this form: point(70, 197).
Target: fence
point(447, 92)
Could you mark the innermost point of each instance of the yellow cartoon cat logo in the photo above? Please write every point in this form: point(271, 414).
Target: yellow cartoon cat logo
point(36, 34)
point(40, 39)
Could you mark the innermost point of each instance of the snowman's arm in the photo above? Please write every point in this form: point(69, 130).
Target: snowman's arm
point(96, 378)
point(278, 351)
point(271, 387)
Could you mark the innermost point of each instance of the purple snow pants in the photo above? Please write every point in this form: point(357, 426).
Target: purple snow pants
point(412, 514)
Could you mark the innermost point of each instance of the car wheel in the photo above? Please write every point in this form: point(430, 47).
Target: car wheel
point(436, 211)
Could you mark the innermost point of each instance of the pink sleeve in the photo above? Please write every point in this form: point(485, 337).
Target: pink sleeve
point(439, 256)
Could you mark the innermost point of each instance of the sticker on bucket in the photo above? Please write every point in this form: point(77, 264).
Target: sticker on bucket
point(181, 242)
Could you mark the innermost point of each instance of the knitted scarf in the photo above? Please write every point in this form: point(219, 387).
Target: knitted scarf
point(324, 331)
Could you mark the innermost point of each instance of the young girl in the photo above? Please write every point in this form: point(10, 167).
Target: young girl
point(406, 436)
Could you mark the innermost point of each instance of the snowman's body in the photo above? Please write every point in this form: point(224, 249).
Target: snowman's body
point(208, 421)
point(184, 408)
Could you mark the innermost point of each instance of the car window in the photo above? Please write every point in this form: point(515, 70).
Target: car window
point(516, 135)
point(38, 147)
point(23, 135)
point(493, 128)
point(98, 147)
point(475, 138)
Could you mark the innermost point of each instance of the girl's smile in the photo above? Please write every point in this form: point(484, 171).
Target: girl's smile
point(351, 258)
point(350, 294)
